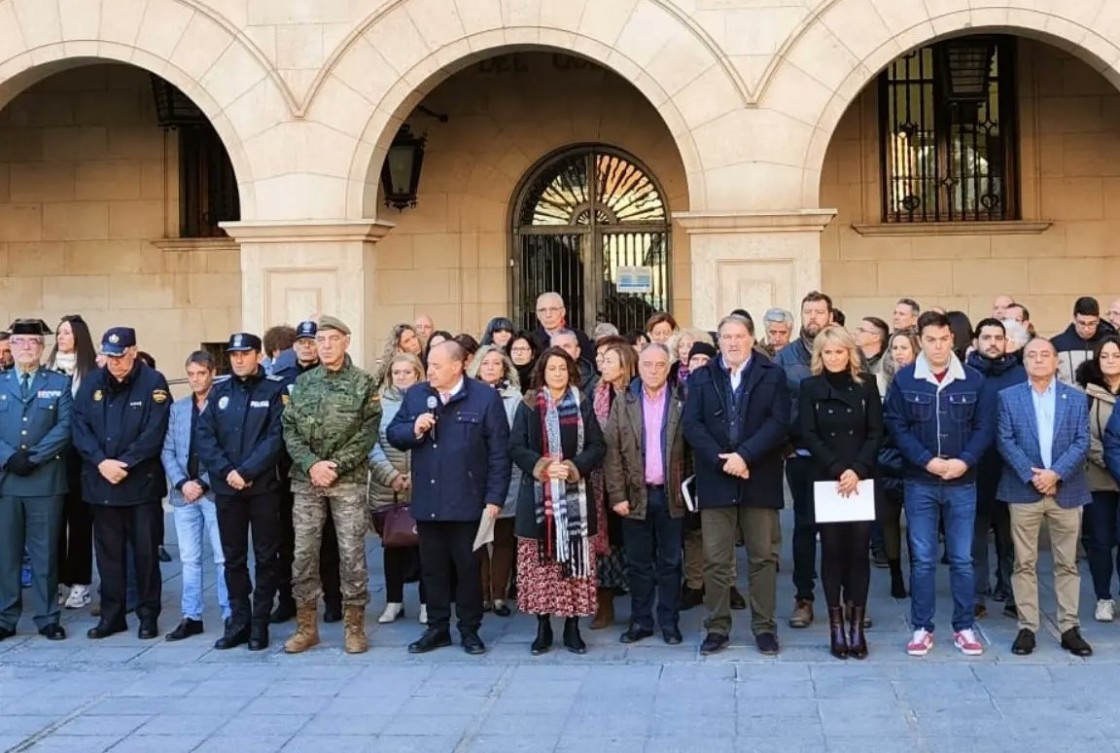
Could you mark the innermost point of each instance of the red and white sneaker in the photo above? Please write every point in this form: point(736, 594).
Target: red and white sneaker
point(921, 643)
point(967, 642)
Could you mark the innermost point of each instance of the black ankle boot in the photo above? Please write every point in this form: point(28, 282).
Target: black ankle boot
point(857, 643)
point(572, 639)
point(898, 585)
point(837, 641)
point(543, 641)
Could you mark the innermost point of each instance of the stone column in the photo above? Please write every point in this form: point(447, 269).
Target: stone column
point(752, 260)
point(293, 270)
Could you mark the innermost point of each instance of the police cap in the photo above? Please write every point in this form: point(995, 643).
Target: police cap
point(240, 342)
point(117, 340)
point(306, 330)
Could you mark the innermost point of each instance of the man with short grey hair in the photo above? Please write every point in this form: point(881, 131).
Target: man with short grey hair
point(779, 327)
point(568, 341)
point(552, 317)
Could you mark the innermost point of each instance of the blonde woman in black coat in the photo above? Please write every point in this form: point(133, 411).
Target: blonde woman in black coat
point(841, 417)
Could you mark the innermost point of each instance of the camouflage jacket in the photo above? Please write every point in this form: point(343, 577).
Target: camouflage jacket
point(332, 416)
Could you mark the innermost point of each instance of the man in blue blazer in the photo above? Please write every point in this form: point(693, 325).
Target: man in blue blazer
point(1043, 436)
point(35, 411)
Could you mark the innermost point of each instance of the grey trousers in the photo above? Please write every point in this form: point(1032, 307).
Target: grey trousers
point(34, 523)
point(763, 539)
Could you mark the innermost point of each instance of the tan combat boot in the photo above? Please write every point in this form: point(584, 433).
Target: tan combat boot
point(307, 630)
point(354, 628)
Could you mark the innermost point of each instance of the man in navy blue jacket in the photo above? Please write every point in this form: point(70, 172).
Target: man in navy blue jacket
point(240, 441)
point(736, 419)
point(458, 433)
point(121, 413)
point(942, 418)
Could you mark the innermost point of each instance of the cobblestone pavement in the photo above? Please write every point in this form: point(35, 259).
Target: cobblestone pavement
point(122, 694)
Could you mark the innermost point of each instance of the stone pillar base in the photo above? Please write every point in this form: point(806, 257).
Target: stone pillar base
point(752, 260)
point(291, 271)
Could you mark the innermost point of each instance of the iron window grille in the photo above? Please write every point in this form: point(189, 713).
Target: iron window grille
point(948, 130)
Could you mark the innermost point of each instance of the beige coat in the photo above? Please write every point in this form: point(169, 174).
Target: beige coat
point(1101, 404)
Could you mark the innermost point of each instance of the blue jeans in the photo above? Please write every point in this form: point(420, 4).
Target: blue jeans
point(194, 524)
point(925, 504)
point(1101, 529)
point(653, 550)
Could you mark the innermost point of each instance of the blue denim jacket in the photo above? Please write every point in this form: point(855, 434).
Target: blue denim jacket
point(176, 448)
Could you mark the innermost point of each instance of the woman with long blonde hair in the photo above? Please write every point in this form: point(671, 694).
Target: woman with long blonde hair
point(841, 422)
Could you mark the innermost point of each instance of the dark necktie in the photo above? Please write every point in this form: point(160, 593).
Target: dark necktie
point(25, 385)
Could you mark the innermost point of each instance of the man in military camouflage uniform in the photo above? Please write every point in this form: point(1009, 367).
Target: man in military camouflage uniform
point(330, 425)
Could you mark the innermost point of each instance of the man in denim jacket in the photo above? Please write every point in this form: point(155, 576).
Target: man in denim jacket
point(942, 418)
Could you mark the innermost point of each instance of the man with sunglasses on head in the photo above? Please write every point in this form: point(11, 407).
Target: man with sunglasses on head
point(35, 413)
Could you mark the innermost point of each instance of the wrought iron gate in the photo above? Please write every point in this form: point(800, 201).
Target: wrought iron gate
point(580, 216)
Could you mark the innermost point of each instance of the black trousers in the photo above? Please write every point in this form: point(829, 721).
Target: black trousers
point(236, 516)
point(328, 554)
point(845, 564)
point(114, 530)
point(799, 474)
point(448, 562)
point(399, 563)
point(75, 544)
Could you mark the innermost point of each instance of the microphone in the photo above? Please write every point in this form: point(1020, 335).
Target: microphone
point(433, 403)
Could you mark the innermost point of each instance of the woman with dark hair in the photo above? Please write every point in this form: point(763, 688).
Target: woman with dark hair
point(556, 442)
point(73, 354)
point(523, 352)
point(499, 332)
point(961, 327)
point(469, 346)
point(1100, 378)
point(437, 337)
point(637, 339)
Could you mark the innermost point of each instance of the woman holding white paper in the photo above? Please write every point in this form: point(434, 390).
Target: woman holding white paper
point(841, 416)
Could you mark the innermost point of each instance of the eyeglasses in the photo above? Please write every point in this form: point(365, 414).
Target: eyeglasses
point(550, 310)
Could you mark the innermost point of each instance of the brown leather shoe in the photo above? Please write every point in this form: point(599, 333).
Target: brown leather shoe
point(802, 616)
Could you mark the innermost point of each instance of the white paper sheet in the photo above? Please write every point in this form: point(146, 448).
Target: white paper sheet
point(485, 533)
point(832, 508)
point(688, 491)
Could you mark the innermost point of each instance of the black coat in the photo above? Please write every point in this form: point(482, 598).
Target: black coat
point(764, 415)
point(124, 421)
point(841, 424)
point(526, 446)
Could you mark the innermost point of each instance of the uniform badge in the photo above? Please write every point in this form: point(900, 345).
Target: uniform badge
point(114, 339)
point(285, 399)
point(159, 396)
point(97, 395)
point(223, 401)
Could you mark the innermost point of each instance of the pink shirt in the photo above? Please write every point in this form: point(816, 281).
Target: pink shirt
point(653, 416)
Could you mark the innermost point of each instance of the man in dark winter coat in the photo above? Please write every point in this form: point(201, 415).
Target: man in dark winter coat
point(1077, 344)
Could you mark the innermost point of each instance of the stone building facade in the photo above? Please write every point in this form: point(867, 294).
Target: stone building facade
point(740, 146)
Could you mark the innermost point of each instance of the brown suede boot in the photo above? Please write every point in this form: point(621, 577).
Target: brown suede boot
point(307, 630)
point(604, 615)
point(354, 628)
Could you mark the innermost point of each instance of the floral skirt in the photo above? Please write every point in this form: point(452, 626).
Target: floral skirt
point(543, 589)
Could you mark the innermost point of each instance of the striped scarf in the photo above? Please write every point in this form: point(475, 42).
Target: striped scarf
point(562, 507)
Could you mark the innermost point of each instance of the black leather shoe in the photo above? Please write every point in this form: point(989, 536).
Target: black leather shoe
point(543, 642)
point(104, 630)
point(432, 639)
point(472, 644)
point(635, 634)
point(6, 633)
point(1075, 644)
point(691, 597)
point(767, 643)
point(258, 638)
point(713, 642)
point(1024, 643)
point(737, 600)
point(672, 635)
point(53, 632)
point(185, 629)
point(502, 610)
point(285, 610)
point(1009, 610)
point(164, 556)
point(332, 611)
point(233, 636)
point(148, 629)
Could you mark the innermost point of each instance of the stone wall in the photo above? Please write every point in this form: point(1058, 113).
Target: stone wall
point(87, 181)
point(1070, 174)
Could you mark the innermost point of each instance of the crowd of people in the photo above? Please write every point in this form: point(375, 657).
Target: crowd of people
point(552, 472)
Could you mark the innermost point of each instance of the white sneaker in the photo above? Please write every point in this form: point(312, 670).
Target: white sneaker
point(79, 598)
point(921, 643)
point(423, 614)
point(1106, 610)
point(393, 611)
point(967, 642)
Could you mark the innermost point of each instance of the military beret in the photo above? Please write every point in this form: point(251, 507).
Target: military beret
point(330, 322)
point(117, 339)
point(305, 330)
point(240, 342)
point(29, 327)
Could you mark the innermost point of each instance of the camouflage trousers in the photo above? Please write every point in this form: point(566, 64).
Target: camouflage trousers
point(345, 503)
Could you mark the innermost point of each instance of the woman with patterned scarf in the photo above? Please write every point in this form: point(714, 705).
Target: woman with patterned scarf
point(618, 364)
point(557, 443)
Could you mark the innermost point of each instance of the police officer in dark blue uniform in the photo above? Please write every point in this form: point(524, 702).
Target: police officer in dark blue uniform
point(240, 441)
point(35, 414)
point(121, 413)
point(299, 359)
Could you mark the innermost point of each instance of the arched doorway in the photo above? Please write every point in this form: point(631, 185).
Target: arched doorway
point(590, 222)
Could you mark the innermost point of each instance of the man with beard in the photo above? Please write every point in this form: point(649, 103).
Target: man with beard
point(1000, 370)
point(795, 358)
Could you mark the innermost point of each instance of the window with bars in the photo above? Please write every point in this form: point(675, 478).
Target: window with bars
point(207, 185)
point(948, 131)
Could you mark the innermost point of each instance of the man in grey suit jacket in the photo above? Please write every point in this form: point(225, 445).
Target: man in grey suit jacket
point(35, 410)
point(1043, 436)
